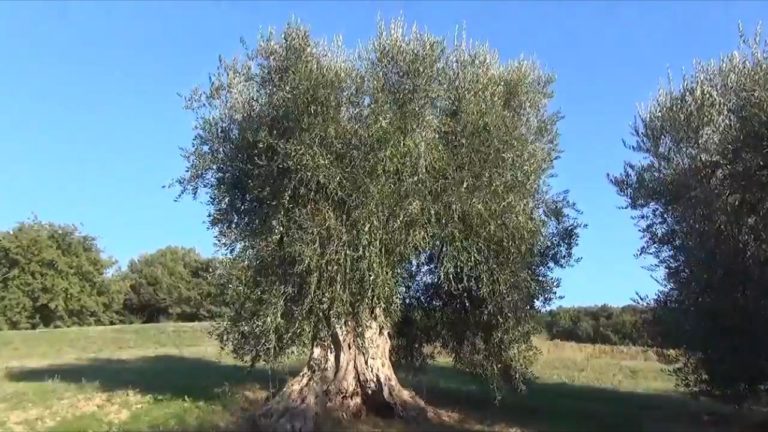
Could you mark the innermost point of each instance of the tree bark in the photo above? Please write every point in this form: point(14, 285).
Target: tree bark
point(344, 378)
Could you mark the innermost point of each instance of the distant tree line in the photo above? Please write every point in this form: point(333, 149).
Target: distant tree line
point(54, 275)
point(607, 325)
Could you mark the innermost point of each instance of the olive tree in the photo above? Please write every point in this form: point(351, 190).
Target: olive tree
point(327, 171)
point(700, 193)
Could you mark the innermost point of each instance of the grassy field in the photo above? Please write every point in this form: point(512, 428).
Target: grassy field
point(174, 377)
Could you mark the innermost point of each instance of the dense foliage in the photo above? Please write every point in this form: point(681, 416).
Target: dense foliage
point(55, 276)
point(328, 171)
point(608, 325)
point(173, 283)
point(700, 195)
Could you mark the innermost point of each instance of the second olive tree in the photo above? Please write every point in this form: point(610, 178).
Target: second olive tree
point(700, 193)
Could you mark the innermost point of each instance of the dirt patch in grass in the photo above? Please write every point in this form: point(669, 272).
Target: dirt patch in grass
point(114, 407)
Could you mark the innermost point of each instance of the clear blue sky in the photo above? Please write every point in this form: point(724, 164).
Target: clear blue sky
point(90, 120)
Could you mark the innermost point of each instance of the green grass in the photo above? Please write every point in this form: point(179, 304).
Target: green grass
point(174, 377)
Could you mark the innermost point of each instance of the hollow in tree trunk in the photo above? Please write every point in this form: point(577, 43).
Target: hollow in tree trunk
point(344, 378)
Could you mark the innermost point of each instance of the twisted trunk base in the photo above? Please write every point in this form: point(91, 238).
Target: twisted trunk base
point(345, 379)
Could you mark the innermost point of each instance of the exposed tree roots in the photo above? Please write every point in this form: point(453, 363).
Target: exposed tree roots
point(344, 379)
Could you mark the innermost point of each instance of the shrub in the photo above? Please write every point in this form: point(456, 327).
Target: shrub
point(173, 283)
point(54, 276)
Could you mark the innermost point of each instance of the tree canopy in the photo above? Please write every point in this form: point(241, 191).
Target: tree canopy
point(172, 283)
point(327, 171)
point(54, 276)
point(700, 195)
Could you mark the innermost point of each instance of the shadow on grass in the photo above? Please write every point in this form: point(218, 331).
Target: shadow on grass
point(162, 375)
point(546, 407)
point(568, 407)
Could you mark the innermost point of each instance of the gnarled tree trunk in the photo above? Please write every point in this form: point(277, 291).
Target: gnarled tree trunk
point(345, 378)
